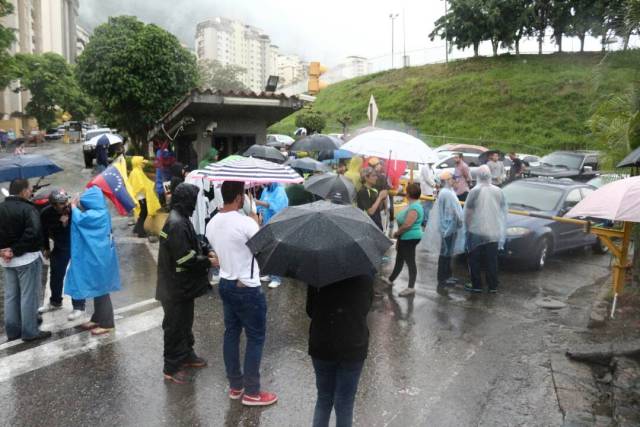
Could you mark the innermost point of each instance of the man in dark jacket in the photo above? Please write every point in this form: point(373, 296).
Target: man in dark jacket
point(20, 244)
point(183, 264)
point(56, 225)
point(338, 344)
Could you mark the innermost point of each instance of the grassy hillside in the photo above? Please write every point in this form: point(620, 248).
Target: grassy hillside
point(530, 103)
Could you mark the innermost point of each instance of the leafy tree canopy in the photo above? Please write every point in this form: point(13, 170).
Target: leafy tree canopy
point(53, 87)
point(312, 121)
point(214, 75)
point(136, 72)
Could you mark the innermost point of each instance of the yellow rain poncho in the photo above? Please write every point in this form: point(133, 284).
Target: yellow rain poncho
point(140, 183)
point(353, 172)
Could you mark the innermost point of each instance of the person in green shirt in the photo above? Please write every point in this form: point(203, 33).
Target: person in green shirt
point(408, 236)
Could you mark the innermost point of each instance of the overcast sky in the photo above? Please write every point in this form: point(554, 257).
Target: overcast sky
point(327, 32)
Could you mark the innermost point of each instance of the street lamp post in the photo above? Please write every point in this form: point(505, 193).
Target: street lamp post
point(393, 17)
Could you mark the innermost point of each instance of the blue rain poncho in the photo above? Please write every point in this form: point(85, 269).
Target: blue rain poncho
point(276, 196)
point(445, 220)
point(93, 269)
point(485, 212)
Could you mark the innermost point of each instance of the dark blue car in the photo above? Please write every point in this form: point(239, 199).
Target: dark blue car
point(531, 240)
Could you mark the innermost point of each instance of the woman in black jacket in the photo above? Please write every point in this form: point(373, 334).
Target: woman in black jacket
point(338, 344)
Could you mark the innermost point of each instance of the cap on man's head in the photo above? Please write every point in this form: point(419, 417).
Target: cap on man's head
point(374, 161)
point(446, 175)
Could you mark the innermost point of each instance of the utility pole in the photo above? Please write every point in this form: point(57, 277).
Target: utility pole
point(393, 17)
point(446, 37)
point(405, 63)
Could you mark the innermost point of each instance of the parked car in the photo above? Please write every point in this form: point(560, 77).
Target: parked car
point(606, 178)
point(578, 165)
point(53, 134)
point(532, 240)
point(89, 148)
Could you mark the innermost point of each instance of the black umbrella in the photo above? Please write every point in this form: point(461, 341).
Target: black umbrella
point(632, 159)
point(319, 243)
point(316, 142)
point(308, 164)
point(265, 153)
point(483, 158)
point(331, 187)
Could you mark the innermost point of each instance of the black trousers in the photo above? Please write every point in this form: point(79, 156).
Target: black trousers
point(444, 261)
point(178, 335)
point(139, 228)
point(103, 312)
point(57, 270)
point(406, 252)
point(484, 257)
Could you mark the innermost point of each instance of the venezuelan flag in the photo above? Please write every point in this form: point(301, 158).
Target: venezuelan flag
point(114, 184)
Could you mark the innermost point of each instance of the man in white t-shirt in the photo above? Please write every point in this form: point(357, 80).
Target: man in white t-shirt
point(244, 304)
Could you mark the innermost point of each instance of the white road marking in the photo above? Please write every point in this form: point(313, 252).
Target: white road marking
point(46, 354)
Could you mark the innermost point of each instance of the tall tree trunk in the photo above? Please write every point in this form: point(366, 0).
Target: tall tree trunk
point(494, 45)
point(518, 46)
point(604, 41)
point(476, 47)
point(582, 37)
point(540, 41)
point(627, 36)
point(559, 43)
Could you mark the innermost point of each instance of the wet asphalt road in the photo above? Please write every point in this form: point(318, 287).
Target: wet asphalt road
point(436, 361)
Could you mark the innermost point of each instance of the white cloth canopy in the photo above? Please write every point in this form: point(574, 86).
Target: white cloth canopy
point(391, 144)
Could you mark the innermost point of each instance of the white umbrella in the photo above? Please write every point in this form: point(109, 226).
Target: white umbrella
point(113, 138)
point(391, 144)
point(617, 201)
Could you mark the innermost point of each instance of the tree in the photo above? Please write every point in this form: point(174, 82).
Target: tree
point(136, 72)
point(214, 75)
point(7, 37)
point(52, 85)
point(463, 26)
point(541, 16)
point(626, 20)
point(560, 20)
point(582, 19)
point(312, 121)
point(522, 22)
point(605, 23)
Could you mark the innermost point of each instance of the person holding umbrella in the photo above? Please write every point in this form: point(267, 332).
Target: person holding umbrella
point(243, 300)
point(408, 234)
point(272, 200)
point(297, 244)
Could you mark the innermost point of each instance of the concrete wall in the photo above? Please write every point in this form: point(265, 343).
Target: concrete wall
point(226, 126)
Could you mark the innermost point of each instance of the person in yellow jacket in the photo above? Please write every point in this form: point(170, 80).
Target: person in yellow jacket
point(353, 172)
point(143, 190)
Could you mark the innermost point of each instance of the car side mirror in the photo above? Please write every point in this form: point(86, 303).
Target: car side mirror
point(587, 169)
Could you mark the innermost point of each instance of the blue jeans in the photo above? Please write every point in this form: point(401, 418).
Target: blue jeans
point(426, 206)
point(21, 300)
point(246, 308)
point(337, 384)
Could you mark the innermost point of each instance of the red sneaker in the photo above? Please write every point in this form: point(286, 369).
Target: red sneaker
point(235, 394)
point(264, 398)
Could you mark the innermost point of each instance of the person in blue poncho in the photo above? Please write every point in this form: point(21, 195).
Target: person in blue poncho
point(93, 270)
point(272, 200)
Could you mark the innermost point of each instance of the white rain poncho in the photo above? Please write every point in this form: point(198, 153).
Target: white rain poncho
point(445, 229)
point(485, 212)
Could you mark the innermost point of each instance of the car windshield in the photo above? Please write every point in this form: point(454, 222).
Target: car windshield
point(521, 195)
point(95, 133)
point(570, 161)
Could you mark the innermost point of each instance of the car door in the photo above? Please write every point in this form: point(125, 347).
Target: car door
point(569, 235)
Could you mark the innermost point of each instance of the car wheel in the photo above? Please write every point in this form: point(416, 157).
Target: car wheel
point(598, 248)
point(88, 160)
point(541, 254)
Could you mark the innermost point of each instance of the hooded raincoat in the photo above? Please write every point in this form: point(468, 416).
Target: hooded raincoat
point(141, 184)
point(485, 212)
point(445, 220)
point(276, 196)
point(93, 270)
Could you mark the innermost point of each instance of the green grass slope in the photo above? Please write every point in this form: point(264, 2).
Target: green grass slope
point(529, 103)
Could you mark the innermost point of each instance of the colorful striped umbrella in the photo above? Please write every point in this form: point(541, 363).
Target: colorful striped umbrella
point(249, 170)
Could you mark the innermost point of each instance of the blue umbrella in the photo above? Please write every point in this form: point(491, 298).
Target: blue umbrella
point(26, 166)
point(335, 155)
